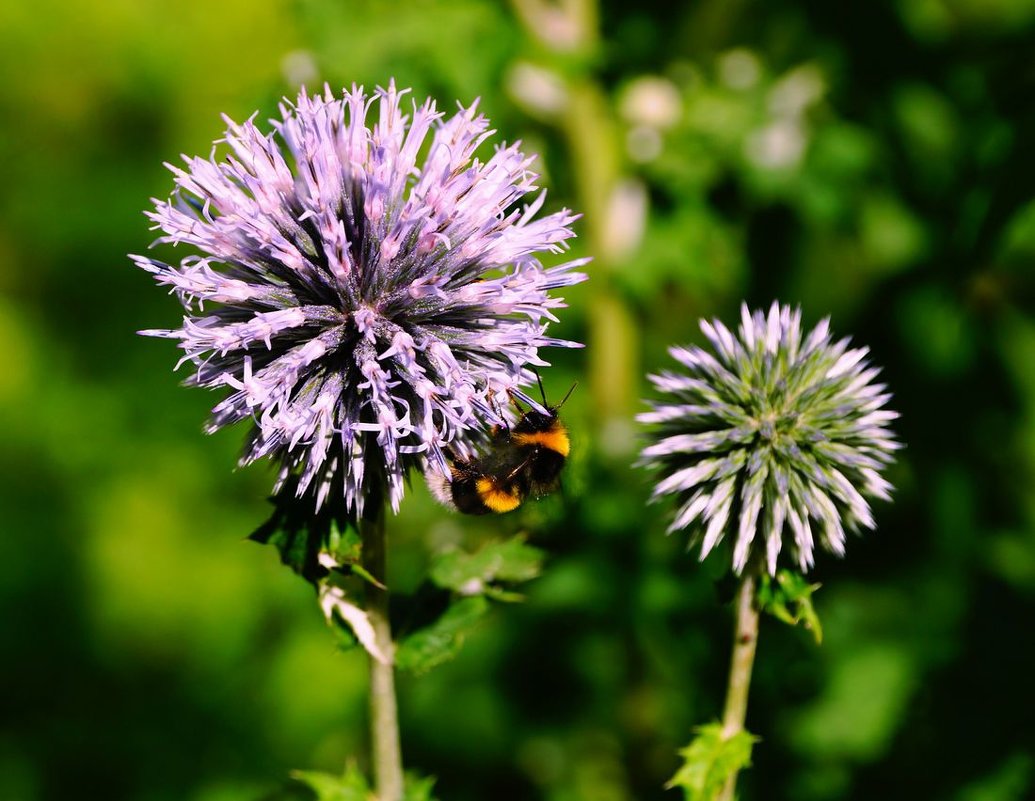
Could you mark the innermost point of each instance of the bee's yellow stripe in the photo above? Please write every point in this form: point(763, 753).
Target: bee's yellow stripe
point(494, 498)
point(555, 439)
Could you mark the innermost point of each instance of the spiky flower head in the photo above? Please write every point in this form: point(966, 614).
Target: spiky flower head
point(361, 291)
point(778, 436)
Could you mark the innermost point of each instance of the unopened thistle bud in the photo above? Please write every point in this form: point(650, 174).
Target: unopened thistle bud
point(777, 438)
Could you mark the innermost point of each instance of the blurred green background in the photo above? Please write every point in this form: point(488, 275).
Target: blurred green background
point(868, 160)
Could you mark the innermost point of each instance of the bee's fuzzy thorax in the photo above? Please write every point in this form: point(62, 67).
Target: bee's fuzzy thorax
point(555, 438)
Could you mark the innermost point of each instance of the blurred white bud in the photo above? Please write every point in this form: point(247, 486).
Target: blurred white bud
point(299, 68)
point(739, 69)
point(652, 101)
point(618, 438)
point(800, 88)
point(536, 89)
point(554, 23)
point(643, 143)
point(626, 219)
point(778, 145)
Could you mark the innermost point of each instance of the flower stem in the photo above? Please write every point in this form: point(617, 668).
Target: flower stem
point(745, 638)
point(384, 720)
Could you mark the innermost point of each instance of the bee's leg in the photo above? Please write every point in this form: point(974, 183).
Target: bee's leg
point(456, 461)
point(515, 402)
point(503, 429)
point(520, 468)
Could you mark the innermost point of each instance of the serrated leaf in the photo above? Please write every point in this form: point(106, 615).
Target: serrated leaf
point(788, 598)
point(418, 788)
point(349, 786)
point(710, 760)
point(353, 785)
point(440, 641)
point(509, 561)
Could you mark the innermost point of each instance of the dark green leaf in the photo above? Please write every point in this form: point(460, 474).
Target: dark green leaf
point(440, 641)
point(299, 533)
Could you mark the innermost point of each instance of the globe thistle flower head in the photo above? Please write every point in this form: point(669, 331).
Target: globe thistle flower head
point(361, 289)
point(777, 437)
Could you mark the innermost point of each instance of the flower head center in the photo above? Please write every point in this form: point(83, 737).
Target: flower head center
point(776, 424)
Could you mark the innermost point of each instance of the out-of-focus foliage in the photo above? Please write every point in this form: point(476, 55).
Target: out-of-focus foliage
point(871, 161)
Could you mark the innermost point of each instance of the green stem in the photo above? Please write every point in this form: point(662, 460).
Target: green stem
point(745, 639)
point(613, 335)
point(384, 720)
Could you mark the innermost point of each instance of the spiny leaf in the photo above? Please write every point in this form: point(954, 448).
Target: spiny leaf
point(349, 786)
point(353, 786)
point(418, 788)
point(710, 760)
point(788, 598)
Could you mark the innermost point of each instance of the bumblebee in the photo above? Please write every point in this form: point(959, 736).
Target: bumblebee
point(520, 462)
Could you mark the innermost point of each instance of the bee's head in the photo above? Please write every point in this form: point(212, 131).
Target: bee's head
point(537, 417)
point(539, 421)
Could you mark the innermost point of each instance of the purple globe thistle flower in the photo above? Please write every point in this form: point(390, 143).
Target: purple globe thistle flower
point(775, 435)
point(364, 292)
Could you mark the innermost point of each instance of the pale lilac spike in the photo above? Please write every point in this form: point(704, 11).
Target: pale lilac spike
point(848, 361)
point(690, 511)
point(750, 507)
point(849, 495)
point(876, 485)
point(793, 334)
point(774, 536)
point(717, 515)
point(773, 330)
point(747, 327)
point(819, 336)
point(688, 477)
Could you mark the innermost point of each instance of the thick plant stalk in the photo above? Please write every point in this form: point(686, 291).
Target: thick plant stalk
point(594, 145)
point(745, 639)
point(384, 720)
